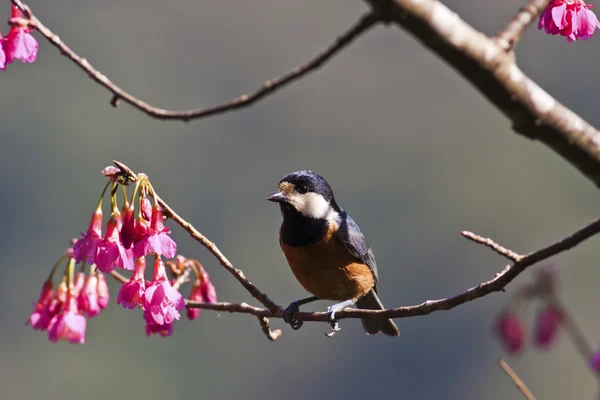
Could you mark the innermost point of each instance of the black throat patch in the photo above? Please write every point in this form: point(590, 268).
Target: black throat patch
point(298, 230)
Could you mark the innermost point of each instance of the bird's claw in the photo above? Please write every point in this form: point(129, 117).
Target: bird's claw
point(335, 325)
point(289, 312)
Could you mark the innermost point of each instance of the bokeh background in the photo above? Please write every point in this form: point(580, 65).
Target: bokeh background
point(412, 151)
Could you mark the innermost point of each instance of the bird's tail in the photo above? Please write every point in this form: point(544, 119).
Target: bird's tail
point(372, 326)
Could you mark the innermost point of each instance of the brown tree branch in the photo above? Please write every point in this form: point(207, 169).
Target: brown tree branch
point(503, 251)
point(507, 38)
point(516, 380)
point(480, 60)
point(498, 283)
point(269, 87)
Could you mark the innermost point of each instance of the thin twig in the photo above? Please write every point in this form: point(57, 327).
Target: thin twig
point(508, 37)
point(267, 88)
point(271, 335)
point(516, 380)
point(503, 251)
point(275, 311)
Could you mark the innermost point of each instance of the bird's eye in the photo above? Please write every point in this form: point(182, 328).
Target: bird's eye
point(302, 189)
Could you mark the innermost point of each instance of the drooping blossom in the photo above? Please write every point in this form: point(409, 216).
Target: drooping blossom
point(595, 362)
point(128, 229)
point(161, 300)
point(103, 293)
point(157, 239)
point(570, 18)
point(195, 295)
point(132, 292)
point(209, 293)
point(547, 325)
point(68, 325)
point(42, 314)
point(162, 330)
point(111, 252)
point(18, 44)
point(86, 248)
point(78, 283)
point(87, 300)
point(510, 332)
point(145, 206)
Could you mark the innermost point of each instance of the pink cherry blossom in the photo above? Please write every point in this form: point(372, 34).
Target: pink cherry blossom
point(145, 207)
point(88, 297)
point(209, 293)
point(86, 248)
point(195, 295)
point(157, 239)
point(547, 324)
point(570, 18)
point(78, 284)
point(128, 229)
point(163, 330)
point(103, 293)
point(132, 293)
point(68, 325)
point(19, 43)
point(161, 300)
point(111, 252)
point(510, 332)
point(43, 312)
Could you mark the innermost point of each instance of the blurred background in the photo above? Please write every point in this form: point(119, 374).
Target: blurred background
point(412, 151)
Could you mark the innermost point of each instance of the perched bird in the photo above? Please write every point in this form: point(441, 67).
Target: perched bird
point(326, 251)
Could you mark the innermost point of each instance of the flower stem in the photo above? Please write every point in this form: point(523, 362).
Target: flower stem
point(103, 193)
point(60, 261)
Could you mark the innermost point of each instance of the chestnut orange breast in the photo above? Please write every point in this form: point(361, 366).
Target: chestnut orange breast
point(327, 270)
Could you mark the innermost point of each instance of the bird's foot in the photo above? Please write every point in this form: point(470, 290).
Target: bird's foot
point(289, 311)
point(330, 315)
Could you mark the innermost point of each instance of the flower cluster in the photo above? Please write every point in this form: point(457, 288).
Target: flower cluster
point(62, 312)
point(510, 329)
point(127, 242)
point(18, 44)
point(570, 18)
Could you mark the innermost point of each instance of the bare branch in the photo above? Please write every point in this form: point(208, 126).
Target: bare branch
point(516, 380)
point(503, 251)
point(245, 100)
point(480, 60)
point(508, 37)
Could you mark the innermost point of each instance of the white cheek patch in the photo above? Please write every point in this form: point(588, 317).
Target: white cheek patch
point(314, 205)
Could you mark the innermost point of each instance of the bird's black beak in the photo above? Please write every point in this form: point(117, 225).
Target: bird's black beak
point(277, 197)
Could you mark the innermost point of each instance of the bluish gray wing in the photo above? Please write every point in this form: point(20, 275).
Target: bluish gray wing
point(353, 239)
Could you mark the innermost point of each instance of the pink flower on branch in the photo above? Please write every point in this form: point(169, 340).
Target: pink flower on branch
point(18, 44)
point(161, 300)
point(132, 292)
point(68, 325)
point(103, 293)
point(87, 299)
point(547, 324)
point(86, 248)
point(510, 332)
point(156, 240)
point(570, 18)
point(43, 312)
point(111, 252)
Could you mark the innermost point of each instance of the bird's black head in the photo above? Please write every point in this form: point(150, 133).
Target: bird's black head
point(307, 193)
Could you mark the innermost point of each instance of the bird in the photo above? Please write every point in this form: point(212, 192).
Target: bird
point(326, 251)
